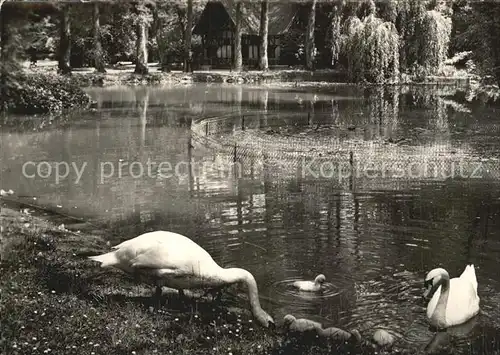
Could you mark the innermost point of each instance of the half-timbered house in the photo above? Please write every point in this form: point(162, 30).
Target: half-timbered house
point(217, 25)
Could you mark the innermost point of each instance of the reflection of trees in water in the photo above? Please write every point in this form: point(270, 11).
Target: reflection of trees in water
point(438, 219)
point(384, 109)
point(432, 101)
point(142, 106)
point(335, 111)
point(238, 97)
point(264, 104)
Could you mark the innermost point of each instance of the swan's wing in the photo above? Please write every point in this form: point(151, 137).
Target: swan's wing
point(156, 256)
point(469, 274)
point(463, 302)
point(164, 250)
point(183, 258)
point(465, 272)
point(473, 304)
point(144, 240)
point(473, 278)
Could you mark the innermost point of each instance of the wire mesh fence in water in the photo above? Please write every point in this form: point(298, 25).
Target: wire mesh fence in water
point(307, 146)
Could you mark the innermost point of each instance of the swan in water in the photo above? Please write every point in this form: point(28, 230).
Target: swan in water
point(175, 261)
point(452, 302)
point(310, 285)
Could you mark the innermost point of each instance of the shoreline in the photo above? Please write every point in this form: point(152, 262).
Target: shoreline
point(284, 79)
point(57, 301)
point(67, 92)
point(123, 75)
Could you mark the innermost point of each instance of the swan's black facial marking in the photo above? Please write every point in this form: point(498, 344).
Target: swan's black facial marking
point(429, 289)
point(428, 283)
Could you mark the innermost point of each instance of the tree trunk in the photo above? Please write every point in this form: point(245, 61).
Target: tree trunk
point(65, 40)
point(238, 58)
point(4, 37)
point(141, 63)
point(264, 31)
point(335, 33)
point(188, 55)
point(310, 46)
point(3, 56)
point(98, 53)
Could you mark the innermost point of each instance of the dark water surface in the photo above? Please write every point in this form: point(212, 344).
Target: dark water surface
point(374, 234)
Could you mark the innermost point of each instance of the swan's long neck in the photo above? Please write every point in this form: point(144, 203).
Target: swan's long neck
point(234, 275)
point(440, 310)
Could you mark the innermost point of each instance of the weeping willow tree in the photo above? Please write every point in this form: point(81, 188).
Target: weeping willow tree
point(436, 36)
point(425, 30)
point(372, 50)
point(409, 22)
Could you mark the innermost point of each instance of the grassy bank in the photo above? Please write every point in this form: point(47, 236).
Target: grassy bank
point(55, 301)
point(122, 74)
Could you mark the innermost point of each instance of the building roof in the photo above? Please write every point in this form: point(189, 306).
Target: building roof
point(281, 16)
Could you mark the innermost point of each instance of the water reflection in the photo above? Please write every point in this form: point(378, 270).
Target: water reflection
point(444, 339)
point(374, 237)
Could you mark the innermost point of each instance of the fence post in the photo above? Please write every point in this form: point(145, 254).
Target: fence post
point(242, 123)
point(351, 175)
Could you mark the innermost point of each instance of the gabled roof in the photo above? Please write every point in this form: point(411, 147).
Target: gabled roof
point(281, 16)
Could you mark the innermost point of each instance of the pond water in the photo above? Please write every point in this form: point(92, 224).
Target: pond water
point(294, 184)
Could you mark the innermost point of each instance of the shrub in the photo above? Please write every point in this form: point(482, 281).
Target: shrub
point(41, 93)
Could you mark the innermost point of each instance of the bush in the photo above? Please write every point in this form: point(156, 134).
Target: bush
point(41, 93)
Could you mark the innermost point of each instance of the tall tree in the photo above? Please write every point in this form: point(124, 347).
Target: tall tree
point(238, 58)
point(65, 39)
point(141, 64)
point(488, 53)
point(310, 45)
point(3, 55)
point(188, 54)
point(264, 32)
point(98, 52)
point(11, 45)
point(335, 30)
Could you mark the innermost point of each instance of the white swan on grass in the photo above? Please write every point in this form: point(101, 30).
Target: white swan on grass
point(175, 261)
point(311, 286)
point(453, 301)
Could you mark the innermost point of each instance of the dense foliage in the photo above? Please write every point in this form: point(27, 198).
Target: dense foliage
point(373, 40)
point(372, 48)
point(476, 30)
point(31, 94)
point(425, 32)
